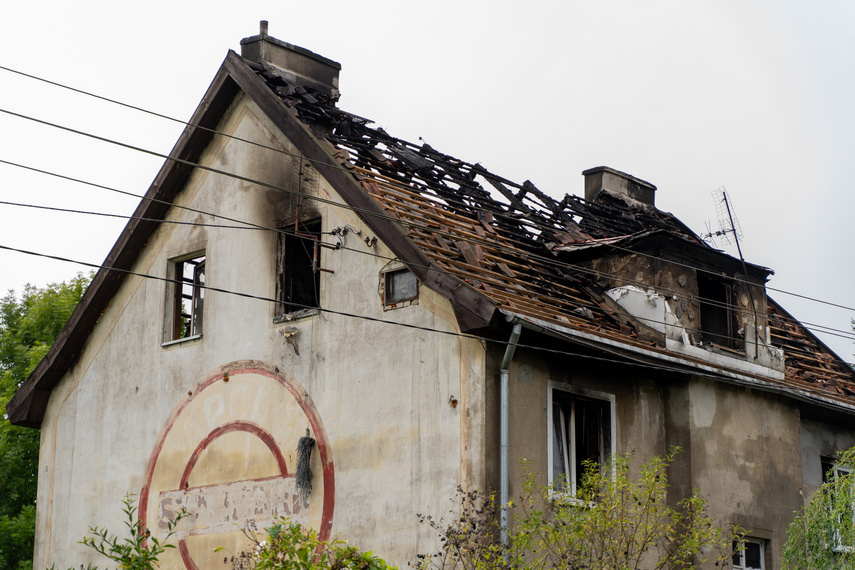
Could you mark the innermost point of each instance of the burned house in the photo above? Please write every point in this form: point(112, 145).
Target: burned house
point(295, 272)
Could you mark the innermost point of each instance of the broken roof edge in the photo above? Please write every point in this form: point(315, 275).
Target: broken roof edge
point(790, 318)
point(649, 356)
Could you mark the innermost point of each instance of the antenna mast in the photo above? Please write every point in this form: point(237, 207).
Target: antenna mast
point(730, 226)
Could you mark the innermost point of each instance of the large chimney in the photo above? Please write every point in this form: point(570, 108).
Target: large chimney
point(294, 63)
point(632, 190)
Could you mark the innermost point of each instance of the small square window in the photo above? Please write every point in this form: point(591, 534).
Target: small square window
point(400, 286)
point(580, 429)
point(188, 297)
point(749, 555)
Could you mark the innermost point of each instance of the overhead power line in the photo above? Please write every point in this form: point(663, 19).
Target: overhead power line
point(375, 319)
point(819, 328)
point(249, 225)
point(282, 151)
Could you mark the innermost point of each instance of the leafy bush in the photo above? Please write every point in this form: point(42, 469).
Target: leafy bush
point(614, 521)
point(289, 546)
point(823, 534)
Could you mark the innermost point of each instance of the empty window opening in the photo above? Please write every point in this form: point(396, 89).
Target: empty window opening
point(188, 297)
point(749, 555)
point(400, 286)
point(719, 323)
point(298, 280)
point(581, 431)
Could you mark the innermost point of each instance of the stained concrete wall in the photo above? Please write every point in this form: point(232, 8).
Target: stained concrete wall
point(822, 436)
point(744, 449)
point(212, 424)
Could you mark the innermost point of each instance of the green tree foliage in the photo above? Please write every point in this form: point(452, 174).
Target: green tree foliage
point(28, 326)
point(823, 534)
point(616, 521)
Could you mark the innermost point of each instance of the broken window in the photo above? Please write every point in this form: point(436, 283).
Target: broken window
point(400, 285)
point(749, 554)
point(580, 432)
point(187, 297)
point(298, 282)
point(719, 322)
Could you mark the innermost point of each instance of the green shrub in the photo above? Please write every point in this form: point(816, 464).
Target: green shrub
point(289, 546)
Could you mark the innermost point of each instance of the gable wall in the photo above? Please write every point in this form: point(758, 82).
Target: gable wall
point(128, 414)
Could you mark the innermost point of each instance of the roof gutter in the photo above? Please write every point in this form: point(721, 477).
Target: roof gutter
point(640, 354)
point(504, 375)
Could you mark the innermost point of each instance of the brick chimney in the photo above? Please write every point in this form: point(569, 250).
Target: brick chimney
point(632, 190)
point(295, 64)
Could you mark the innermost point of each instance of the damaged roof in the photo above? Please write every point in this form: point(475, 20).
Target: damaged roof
point(491, 246)
point(503, 237)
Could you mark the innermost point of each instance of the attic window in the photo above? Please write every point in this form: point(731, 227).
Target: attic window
point(719, 324)
point(187, 297)
point(399, 287)
point(298, 282)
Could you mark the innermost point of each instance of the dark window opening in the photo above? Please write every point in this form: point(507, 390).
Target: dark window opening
point(188, 297)
point(400, 286)
point(298, 280)
point(719, 323)
point(749, 555)
point(581, 432)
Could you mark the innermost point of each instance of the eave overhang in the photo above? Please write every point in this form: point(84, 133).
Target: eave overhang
point(741, 373)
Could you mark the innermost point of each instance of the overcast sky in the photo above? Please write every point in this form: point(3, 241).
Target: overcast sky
point(755, 96)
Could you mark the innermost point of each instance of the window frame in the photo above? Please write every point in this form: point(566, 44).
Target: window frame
point(739, 550)
point(717, 302)
point(177, 291)
point(310, 229)
point(396, 267)
point(578, 392)
point(829, 463)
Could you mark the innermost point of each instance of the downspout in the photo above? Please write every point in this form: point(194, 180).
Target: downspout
point(503, 429)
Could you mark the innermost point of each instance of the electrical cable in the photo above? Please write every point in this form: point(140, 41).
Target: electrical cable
point(245, 226)
point(321, 200)
point(214, 131)
point(375, 319)
point(844, 334)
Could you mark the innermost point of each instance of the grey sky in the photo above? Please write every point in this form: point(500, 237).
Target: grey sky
point(752, 95)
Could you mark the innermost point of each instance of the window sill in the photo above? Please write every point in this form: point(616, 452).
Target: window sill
point(180, 341)
point(301, 314)
point(568, 499)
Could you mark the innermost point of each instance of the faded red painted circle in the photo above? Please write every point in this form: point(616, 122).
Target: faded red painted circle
point(235, 369)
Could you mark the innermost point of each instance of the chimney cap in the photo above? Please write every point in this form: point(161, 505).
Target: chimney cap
point(634, 191)
point(294, 63)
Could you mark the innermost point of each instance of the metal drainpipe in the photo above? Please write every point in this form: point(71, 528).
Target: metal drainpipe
point(503, 433)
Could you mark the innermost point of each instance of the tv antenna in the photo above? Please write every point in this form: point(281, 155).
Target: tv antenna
point(729, 230)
